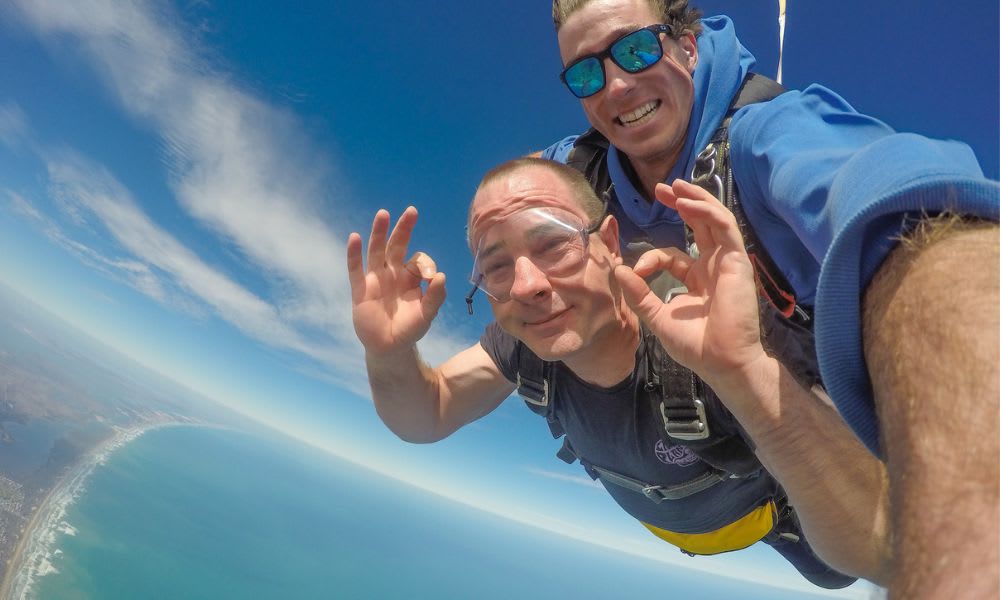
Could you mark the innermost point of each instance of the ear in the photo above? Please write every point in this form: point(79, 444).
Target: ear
point(689, 46)
point(609, 235)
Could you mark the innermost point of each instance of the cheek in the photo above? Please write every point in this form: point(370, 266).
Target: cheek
point(591, 109)
point(504, 318)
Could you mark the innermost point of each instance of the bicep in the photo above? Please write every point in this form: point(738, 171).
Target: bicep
point(472, 386)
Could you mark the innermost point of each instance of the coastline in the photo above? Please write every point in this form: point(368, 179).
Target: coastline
point(30, 558)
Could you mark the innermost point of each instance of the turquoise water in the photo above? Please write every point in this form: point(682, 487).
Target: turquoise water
point(187, 512)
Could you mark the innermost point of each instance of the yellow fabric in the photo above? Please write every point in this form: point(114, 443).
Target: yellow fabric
point(735, 536)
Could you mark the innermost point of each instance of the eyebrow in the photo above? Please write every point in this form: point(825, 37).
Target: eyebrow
point(490, 250)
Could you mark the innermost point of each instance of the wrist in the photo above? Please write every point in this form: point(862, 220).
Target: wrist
point(381, 360)
point(751, 391)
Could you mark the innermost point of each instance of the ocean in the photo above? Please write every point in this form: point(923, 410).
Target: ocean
point(197, 512)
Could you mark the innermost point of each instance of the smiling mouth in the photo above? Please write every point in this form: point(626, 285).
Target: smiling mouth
point(546, 320)
point(640, 115)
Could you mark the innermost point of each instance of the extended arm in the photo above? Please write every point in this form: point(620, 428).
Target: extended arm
point(921, 387)
point(391, 312)
point(932, 343)
point(837, 487)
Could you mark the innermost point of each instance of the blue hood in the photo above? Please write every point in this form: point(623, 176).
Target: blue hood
point(723, 62)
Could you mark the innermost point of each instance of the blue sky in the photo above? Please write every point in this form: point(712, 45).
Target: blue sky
point(179, 179)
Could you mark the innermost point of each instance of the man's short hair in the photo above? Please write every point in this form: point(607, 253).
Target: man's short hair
point(676, 13)
point(583, 194)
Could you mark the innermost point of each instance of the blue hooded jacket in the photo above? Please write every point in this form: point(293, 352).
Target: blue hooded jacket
point(827, 191)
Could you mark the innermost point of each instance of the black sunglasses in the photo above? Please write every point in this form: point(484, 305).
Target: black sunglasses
point(633, 52)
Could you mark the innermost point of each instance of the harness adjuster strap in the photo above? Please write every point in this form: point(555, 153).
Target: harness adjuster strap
point(685, 423)
point(659, 493)
point(532, 392)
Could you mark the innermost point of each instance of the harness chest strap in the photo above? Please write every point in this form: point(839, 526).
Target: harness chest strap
point(659, 493)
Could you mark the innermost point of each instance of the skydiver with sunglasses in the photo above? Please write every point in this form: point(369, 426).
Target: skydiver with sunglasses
point(825, 195)
point(581, 337)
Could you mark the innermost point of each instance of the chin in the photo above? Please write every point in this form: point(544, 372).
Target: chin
point(554, 349)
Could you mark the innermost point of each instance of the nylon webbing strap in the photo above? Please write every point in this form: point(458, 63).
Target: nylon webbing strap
point(535, 392)
point(680, 406)
point(533, 378)
point(712, 171)
point(536, 386)
point(659, 493)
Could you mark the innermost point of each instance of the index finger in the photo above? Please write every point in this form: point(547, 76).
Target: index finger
point(712, 223)
point(704, 213)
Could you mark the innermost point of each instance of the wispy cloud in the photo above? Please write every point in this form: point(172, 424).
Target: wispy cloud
point(12, 123)
point(574, 479)
point(246, 170)
point(88, 190)
point(19, 205)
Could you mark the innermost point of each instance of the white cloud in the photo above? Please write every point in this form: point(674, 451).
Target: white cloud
point(20, 206)
point(12, 123)
point(243, 168)
point(574, 479)
point(90, 189)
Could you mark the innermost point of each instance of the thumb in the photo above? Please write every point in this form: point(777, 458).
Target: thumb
point(433, 297)
point(637, 294)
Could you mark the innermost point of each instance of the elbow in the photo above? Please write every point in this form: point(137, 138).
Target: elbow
point(411, 430)
point(418, 437)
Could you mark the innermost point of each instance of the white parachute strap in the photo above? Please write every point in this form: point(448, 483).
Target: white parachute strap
point(781, 35)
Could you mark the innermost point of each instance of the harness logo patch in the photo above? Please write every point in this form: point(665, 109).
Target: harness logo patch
point(682, 456)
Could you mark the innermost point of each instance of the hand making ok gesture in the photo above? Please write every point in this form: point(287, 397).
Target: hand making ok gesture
point(390, 309)
point(715, 326)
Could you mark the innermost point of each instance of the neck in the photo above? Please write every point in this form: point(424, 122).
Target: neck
point(646, 173)
point(610, 359)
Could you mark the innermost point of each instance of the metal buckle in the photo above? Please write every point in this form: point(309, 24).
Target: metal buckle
point(696, 429)
point(704, 171)
point(674, 292)
point(653, 493)
point(543, 401)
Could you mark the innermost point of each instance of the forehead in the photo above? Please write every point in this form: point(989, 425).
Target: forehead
point(524, 188)
point(591, 28)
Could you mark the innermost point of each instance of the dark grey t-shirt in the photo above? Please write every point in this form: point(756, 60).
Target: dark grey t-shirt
point(615, 428)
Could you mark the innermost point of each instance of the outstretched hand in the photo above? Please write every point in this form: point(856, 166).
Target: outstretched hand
point(715, 326)
point(390, 309)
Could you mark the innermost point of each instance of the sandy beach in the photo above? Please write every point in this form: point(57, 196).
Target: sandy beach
point(31, 557)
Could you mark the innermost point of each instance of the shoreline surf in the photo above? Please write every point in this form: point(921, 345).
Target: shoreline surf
point(31, 557)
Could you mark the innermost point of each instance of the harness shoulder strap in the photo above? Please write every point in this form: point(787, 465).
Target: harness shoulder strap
point(691, 414)
point(713, 171)
point(588, 150)
point(536, 386)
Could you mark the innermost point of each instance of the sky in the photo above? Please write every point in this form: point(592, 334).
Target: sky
point(178, 179)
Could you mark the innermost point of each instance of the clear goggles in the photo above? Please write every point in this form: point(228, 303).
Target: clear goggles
point(554, 240)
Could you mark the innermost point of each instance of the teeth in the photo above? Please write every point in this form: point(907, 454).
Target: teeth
point(638, 116)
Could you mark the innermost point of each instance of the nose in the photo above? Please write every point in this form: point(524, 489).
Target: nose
point(619, 82)
point(530, 282)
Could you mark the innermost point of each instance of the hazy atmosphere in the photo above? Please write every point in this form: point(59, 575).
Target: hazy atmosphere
point(178, 180)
